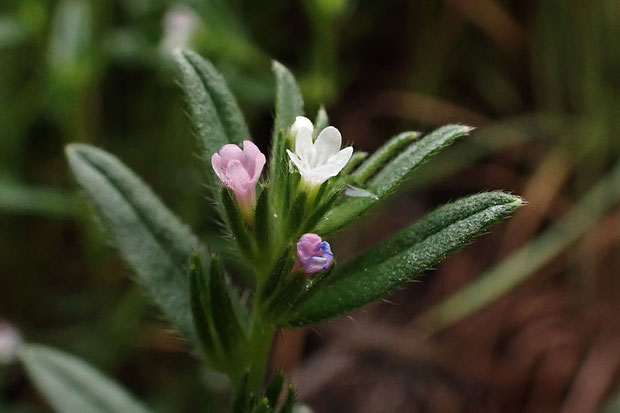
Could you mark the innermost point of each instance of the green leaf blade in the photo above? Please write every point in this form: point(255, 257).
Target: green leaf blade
point(402, 257)
point(289, 105)
point(392, 176)
point(71, 385)
point(148, 236)
point(213, 107)
point(381, 155)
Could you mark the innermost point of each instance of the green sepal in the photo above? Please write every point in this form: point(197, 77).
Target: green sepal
point(389, 178)
point(289, 403)
point(393, 262)
point(296, 213)
point(284, 301)
point(382, 155)
point(235, 223)
point(274, 388)
point(262, 224)
point(262, 406)
point(155, 243)
point(281, 268)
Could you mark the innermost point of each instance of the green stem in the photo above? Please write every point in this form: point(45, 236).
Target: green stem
point(261, 338)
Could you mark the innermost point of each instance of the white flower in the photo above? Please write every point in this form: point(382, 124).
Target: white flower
point(318, 161)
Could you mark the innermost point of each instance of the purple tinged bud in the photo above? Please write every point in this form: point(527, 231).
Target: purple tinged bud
point(313, 254)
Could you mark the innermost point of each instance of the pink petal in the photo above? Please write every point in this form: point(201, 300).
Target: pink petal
point(238, 177)
point(259, 163)
point(230, 152)
point(216, 163)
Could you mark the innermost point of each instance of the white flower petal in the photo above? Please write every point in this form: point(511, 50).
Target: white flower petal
point(300, 164)
point(341, 158)
point(327, 144)
point(304, 148)
point(301, 122)
point(320, 174)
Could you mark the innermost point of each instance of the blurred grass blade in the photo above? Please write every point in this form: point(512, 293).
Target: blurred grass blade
point(70, 50)
point(524, 262)
point(12, 31)
point(390, 177)
point(380, 270)
point(70, 385)
point(383, 154)
point(214, 110)
point(25, 199)
point(149, 237)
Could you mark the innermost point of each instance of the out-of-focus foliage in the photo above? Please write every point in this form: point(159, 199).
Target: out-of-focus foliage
point(534, 74)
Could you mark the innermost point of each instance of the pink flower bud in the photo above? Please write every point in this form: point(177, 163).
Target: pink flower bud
point(313, 254)
point(239, 170)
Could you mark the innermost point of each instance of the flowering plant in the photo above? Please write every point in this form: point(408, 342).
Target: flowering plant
point(274, 221)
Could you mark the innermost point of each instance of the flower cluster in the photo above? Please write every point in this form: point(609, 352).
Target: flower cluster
point(316, 161)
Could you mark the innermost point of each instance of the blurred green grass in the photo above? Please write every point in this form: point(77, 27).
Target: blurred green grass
point(537, 73)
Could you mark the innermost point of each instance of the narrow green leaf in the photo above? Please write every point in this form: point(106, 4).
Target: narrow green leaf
point(402, 257)
point(235, 223)
point(524, 262)
point(149, 237)
point(201, 308)
point(274, 388)
point(383, 154)
point(289, 104)
point(215, 112)
point(355, 160)
point(71, 385)
point(388, 179)
point(289, 101)
point(230, 332)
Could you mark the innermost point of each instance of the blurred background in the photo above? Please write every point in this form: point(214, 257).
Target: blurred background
point(525, 319)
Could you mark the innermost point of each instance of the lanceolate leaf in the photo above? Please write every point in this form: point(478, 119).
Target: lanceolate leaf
point(214, 109)
point(383, 154)
point(388, 179)
point(70, 385)
point(289, 104)
point(149, 237)
point(399, 259)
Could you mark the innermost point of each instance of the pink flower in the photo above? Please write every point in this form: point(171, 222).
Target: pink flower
point(313, 254)
point(239, 170)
